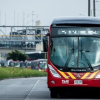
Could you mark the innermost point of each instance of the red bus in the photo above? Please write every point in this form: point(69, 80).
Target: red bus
point(40, 64)
point(28, 64)
point(73, 55)
point(14, 64)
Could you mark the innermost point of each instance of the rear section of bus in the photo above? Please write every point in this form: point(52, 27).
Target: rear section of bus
point(73, 55)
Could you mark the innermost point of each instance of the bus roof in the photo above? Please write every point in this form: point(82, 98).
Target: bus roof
point(34, 52)
point(40, 60)
point(76, 20)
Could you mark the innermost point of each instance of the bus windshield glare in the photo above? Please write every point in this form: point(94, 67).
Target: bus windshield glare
point(75, 51)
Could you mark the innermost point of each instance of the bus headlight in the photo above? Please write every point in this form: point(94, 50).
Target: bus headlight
point(98, 76)
point(53, 72)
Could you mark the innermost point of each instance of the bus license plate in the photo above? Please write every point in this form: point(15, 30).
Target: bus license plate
point(77, 81)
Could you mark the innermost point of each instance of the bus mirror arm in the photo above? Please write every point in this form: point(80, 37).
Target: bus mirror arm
point(45, 44)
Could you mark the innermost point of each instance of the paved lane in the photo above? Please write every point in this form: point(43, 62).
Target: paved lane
point(32, 89)
point(16, 89)
point(39, 91)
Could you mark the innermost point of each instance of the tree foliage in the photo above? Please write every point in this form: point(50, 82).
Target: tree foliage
point(17, 55)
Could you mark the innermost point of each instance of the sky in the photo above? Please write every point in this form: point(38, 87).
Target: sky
point(19, 12)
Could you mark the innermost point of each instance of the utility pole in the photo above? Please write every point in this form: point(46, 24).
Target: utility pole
point(0, 22)
point(94, 8)
point(5, 23)
point(32, 17)
point(14, 17)
point(23, 18)
point(0, 17)
point(88, 7)
point(17, 19)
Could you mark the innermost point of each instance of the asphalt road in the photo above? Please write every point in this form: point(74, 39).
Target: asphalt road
point(33, 89)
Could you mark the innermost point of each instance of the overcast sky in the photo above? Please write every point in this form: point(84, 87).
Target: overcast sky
point(45, 9)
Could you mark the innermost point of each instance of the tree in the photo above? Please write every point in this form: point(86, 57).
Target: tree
point(17, 55)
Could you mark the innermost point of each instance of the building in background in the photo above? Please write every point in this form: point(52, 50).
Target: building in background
point(38, 23)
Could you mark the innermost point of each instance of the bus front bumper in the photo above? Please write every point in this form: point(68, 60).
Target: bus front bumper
point(73, 83)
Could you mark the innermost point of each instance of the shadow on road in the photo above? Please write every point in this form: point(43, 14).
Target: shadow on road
point(78, 95)
point(45, 95)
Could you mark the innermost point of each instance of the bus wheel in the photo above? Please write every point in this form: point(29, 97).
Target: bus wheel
point(53, 94)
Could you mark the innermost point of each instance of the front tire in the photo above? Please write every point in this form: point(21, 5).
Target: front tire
point(53, 94)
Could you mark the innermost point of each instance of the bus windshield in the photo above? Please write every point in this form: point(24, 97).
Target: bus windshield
point(28, 63)
point(17, 64)
point(43, 64)
point(74, 52)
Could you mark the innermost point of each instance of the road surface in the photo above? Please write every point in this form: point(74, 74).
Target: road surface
point(32, 89)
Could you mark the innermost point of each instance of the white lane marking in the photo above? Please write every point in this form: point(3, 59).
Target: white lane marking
point(35, 84)
point(33, 87)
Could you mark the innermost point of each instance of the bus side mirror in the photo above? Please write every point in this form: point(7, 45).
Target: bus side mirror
point(45, 43)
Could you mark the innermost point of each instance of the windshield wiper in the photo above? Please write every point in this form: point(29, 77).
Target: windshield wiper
point(82, 53)
point(70, 55)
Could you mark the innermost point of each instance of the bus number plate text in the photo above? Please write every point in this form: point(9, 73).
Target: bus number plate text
point(78, 82)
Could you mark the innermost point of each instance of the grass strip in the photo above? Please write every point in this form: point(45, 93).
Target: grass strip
point(13, 72)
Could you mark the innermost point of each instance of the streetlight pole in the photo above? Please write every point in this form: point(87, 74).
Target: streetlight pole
point(88, 7)
point(94, 8)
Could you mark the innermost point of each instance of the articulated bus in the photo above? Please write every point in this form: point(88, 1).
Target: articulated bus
point(73, 55)
point(36, 55)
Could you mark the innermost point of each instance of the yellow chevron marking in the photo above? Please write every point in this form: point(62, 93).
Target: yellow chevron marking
point(63, 74)
point(93, 74)
point(71, 75)
point(85, 75)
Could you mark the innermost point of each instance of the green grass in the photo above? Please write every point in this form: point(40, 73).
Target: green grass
point(13, 72)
